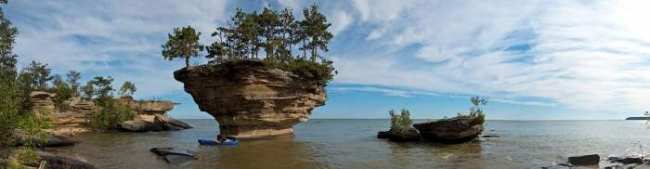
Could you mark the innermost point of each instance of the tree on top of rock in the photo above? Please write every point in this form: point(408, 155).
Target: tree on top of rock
point(127, 89)
point(314, 29)
point(182, 43)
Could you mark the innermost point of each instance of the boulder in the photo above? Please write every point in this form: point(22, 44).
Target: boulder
point(251, 100)
point(454, 130)
point(63, 162)
point(585, 160)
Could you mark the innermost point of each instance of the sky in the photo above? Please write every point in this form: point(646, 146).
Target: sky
point(534, 60)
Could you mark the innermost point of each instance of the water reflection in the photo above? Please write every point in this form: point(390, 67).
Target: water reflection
point(276, 153)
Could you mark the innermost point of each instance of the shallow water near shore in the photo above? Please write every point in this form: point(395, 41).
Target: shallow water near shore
point(353, 144)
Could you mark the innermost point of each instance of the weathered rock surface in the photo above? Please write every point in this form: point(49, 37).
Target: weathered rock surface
point(80, 105)
point(156, 122)
point(250, 100)
point(70, 123)
point(454, 130)
point(42, 102)
point(149, 107)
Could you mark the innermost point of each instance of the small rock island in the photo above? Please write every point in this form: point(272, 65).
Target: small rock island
point(250, 100)
point(266, 73)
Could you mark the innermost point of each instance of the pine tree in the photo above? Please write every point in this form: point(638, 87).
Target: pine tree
point(182, 43)
point(314, 28)
point(127, 89)
point(72, 79)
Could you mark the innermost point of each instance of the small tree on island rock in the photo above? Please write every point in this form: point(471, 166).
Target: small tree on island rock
point(182, 43)
point(127, 89)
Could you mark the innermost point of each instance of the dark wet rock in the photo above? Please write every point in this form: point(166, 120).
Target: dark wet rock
point(383, 134)
point(407, 136)
point(47, 140)
point(592, 159)
point(626, 160)
point(174, 155)
point(490, 136)
point(63, 162)
point(454, 130)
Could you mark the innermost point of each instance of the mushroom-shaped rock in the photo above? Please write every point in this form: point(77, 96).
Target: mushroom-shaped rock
point(250, 99)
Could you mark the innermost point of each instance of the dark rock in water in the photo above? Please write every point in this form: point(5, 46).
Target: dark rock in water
point(409, 135)
point(592, 159)
point(454, 130)
point(174, 155)
point(490, 135)
point(62, 162)
point(559, 166)
point(627, 160)
point(383, 134)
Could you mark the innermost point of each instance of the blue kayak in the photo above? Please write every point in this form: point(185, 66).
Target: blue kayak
point(215, 143)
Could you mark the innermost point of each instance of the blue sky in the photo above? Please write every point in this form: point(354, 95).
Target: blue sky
point(534, 59)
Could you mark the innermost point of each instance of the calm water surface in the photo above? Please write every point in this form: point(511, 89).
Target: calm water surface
point(352, 144)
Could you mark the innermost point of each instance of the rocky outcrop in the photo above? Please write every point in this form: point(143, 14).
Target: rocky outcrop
point(54, 161)
point(47, 140)
point(70, 123)
point(149, 107)
point(77, 104)
point(156, 122)
point(42, 102)
point(251, 100)
point(454, 130)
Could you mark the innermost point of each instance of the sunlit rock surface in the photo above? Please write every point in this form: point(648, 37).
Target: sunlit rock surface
point(250, 100)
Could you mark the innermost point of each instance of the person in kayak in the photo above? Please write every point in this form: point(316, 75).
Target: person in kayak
point(221, 138)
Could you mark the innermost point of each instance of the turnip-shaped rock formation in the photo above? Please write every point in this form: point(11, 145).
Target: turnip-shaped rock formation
point(252, 100)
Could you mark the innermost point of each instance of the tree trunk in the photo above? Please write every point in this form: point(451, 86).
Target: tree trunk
point(187, 62)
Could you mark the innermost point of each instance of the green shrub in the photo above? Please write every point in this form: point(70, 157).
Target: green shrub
point(400, 123)
point(111, 114)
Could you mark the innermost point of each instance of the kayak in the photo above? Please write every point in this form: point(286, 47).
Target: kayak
point(215, 143)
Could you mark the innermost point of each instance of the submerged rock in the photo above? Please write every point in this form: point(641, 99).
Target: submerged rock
point(454, 130)
point(585, 160)
point(174, 155)
point(250, 99)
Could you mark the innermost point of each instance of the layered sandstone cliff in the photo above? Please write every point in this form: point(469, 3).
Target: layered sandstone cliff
point(251, 100)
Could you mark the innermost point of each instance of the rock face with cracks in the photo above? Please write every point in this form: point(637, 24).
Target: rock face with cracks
point(251, 100)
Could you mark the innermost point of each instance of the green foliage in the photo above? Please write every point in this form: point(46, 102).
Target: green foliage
point(400, 123)
point(38, 74)
point(315, 31)
point(321, 72)
point(102, 89)
point(111, 114)
point(127, 89)
point(182, 43)
point(88, 91)
point(476, 110)
point(63, 92)
point(73, 78)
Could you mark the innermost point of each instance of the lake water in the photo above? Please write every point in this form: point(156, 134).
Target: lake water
point(352, 144)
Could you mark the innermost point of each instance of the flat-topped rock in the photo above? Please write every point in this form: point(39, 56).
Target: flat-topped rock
point(251, 100)
point(453, 130)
